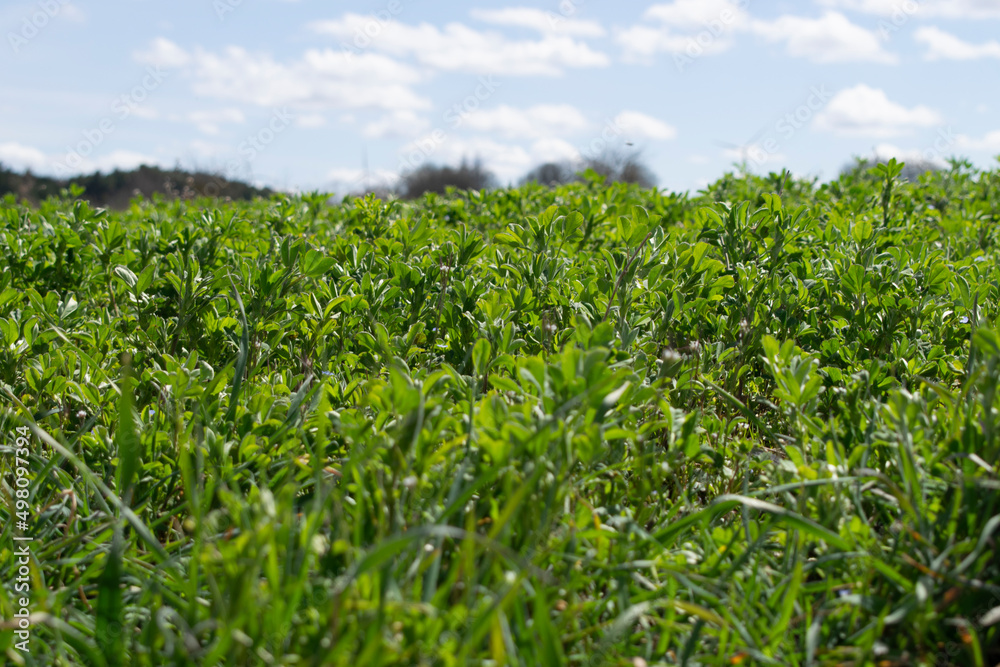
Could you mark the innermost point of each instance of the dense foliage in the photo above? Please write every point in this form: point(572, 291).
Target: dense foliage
point(585, 425)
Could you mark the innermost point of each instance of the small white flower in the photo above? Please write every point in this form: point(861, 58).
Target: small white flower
point(670, 356)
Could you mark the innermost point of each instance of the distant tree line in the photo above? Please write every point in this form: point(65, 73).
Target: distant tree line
point(615, 167)
point(118, 188)
point(472, 175)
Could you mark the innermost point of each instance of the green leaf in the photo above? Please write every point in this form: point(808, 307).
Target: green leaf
point(862, 230)
point(550, 644)
point(241, 359)
point(129, 446)
point(625, 227)
point(987, 340)
point(110, 621)
point(788, 517)
point(125, 275)
point(640, 226)
point(315, 263)
point(573, 226)
point(145, 279)
point(771, 347)
point(788, 601)
point(854, 279)
point(481, 353)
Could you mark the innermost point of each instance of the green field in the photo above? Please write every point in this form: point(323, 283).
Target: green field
point(589, 425)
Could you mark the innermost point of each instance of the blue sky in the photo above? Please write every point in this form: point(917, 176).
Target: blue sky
point(314, 95)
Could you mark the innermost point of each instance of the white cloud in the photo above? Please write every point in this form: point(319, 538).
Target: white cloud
point(694, 27)
point(990, 142)
point(71, 12)
point(507, 161)
point(640, 126)
point(398, 124)
point(945, 46)
point(541, 121)
point(881, 7)
point(554, 150)
point(345, 174)
point(14, 15)
point(145, 112)
point(163, 53)
point(642, 41)
point(458, 48)
point(831, 38)
point(320, 79)
point(955, 9)
point(754, 154)
point(21, 157)
point(348, 179)
point(865, 111)
point(209, 149)
point(310, 121)
point(125, 160)
point(886, 151)
point(545, 22)
point(209, 121)
point(693, 15)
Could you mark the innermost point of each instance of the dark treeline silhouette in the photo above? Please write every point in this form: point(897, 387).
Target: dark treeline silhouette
point(116, 189)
